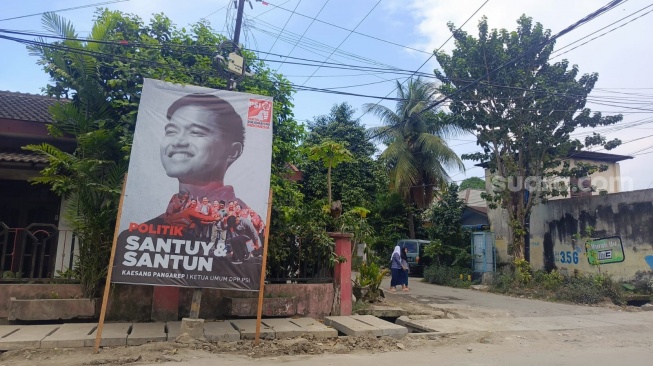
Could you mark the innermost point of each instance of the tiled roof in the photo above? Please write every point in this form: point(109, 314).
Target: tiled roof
point(26, 107)
point(22, 157)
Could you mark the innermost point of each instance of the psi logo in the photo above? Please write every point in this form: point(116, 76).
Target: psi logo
point(259, 114)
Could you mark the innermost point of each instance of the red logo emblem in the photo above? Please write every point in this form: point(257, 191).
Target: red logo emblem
point(259, 114)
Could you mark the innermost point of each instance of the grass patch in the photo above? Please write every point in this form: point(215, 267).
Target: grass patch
point(447, 276)
point(553, 286)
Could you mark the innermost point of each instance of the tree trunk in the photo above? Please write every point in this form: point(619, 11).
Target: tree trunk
point(517, 225)
point(329, 184)
point(411, 224)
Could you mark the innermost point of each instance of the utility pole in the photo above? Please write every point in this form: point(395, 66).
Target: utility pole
point(236, 38)
point(239, 20)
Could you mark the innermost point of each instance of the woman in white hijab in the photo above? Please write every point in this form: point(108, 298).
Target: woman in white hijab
point(395, 269)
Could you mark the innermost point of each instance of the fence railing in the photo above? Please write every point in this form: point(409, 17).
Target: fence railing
point(300, 262)
point(29, 253)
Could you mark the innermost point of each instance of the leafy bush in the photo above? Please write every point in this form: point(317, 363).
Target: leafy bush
point(504, 280)
point(447, 276)
point(549, 281)
point(579, 290)
point(522, 271)
point(370, 276)
point(590, 289)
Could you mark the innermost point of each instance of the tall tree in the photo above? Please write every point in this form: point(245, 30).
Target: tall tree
point(417, 154)
point(355, 182)
point(472, 183)
point(523, 114)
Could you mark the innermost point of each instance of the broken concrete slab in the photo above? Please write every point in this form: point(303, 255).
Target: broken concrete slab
point(284, 328)
point(27, 337)
point(352, 327)
point(220, 331)
point(647, 307)
point(193, 327)
point(173, 330)
point(389, 329)
point(247, 329)
point(383, 311)
point(113, 334)
point(315, 328)
point(69, 336)
point(143, 333)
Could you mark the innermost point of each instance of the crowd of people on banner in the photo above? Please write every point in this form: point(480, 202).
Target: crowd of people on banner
point(240, 228)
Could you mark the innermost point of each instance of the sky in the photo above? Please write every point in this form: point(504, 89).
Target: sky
point(399, 34)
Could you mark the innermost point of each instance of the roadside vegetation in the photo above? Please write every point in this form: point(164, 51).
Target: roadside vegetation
point(519, 280)
point(348, 183)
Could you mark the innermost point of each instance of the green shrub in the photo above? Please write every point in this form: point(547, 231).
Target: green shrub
point(504, 280)
point(522, 271)
point(549, 281)
point(590, 289)
point(447, 276)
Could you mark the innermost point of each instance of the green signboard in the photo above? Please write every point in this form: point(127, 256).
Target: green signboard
point(605, 250)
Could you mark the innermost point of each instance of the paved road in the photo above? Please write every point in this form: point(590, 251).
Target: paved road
point(475, 303)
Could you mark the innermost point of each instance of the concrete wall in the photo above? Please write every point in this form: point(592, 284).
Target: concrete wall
point(35, 291)
point(609, 180)
point(134, 303)
point(628, 215)
point(498, 218)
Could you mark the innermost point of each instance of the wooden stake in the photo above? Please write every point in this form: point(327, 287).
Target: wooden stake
point(266, 238)
point(195, 305)
point(107, 285)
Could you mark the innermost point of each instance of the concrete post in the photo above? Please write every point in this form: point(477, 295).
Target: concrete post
point(342, 275)
point(165, 304)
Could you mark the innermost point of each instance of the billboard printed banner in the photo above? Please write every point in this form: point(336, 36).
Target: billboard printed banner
point(196, 197)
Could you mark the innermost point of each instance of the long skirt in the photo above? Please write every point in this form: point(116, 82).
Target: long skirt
point(396, 278)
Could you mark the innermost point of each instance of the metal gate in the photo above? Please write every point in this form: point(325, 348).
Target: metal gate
point(483, 252)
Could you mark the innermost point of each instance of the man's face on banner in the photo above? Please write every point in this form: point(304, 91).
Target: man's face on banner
point(193, 148)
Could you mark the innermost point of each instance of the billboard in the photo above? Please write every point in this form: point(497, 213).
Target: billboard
point(195, 203)
point(605, 250)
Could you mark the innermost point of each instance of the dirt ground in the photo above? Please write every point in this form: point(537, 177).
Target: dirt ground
point(425, 301)
point(185, 350)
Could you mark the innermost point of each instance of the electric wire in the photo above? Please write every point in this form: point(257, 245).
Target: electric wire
point(350, 30)
point(343, 41)
point(284, 26)
point(611, 5)
point(427, 60)
point(65, 9)
point(303, 34)
point(557, 53)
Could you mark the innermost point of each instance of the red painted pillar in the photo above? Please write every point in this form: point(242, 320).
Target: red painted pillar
point(342, 273)
point(165, 304)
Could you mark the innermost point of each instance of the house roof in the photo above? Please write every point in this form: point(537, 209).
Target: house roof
point(472, 198)
point(586, 155)
point(22, 157)
point(26, 107)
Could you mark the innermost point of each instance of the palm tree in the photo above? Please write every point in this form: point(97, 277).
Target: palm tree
point(417, 154)
point(90, 178)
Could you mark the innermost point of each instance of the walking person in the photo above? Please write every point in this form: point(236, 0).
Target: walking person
point(395, 269)
point(404, 269)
